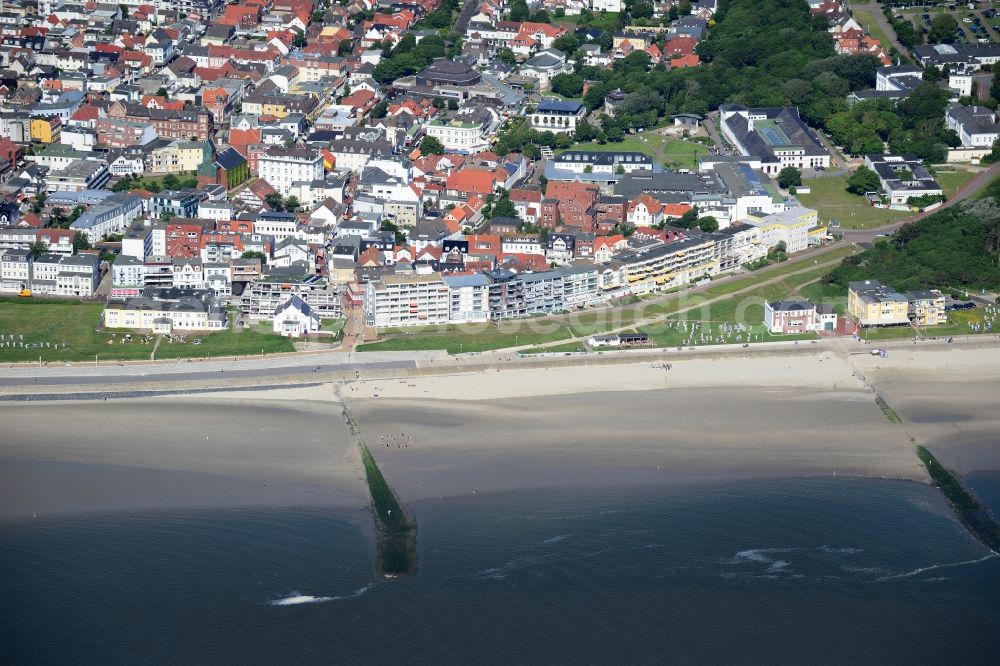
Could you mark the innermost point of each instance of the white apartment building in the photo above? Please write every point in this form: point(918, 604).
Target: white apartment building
point(459, 136)
point(278, 225)
point(407, 300)
point(128, 275)
point(521, 245)
point(78, 275)
point(468, 297)
point(220, 211)
point(790, 227)
point(16, 269)
point(188, 273)
point(281, 167)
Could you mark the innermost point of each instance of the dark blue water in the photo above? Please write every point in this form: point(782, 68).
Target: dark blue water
point(791, 571)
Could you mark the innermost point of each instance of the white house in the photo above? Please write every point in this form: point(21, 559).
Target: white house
point(557, 116)
point(976, 126)
point(903, 177)
point(295, 318)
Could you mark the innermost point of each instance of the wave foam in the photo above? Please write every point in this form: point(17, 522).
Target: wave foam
point(759, 555)
point(917, 572)
point(555, 539)
point(296, 599)
point(840, 551)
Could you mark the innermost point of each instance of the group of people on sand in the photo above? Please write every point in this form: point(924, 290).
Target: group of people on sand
point(389, 441)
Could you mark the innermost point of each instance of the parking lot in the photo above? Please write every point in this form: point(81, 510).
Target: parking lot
point(978, 25)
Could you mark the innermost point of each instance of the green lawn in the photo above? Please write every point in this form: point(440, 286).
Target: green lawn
point(476, 338)
point(658, 146)
point(231, 342)
point(950, 181)
point(603, 20)
point(830, 197)
point(76, 325)
point(334, 326)
point(568, 347)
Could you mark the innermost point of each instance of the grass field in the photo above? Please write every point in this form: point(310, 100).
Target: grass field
point(334, 326)
point(76, 325)
point(830, 197)
point(603, 20)
point(868, 22)
point(950, 181)
point(484, 337)
point(658, 146)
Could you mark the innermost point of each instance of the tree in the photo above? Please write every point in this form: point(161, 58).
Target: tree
point(380, 110)
point(39, 201)
point(38, 248)
point(567, 85)
point(540, 16)
point(585, 131)
point(519, 10)
point(162, 92)
point(431, 145)
point(507, 57)
point(789, 177)
point(58, 218)
point(863, 180)
point(254, 254)
point(642, 9)
point(688, 219)
point(81, 242)
point(274, 201)
point(943, 27)
point(673, 14)
point(708, 224)
point(292, 204)
point(568, 44)
point(504, 208)
point(684, 7)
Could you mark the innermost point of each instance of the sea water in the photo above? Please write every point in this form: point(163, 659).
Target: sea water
point(784, 571)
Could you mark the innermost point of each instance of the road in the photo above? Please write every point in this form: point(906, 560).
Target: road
point(314, 366)
point(875, 9)
point(465, 15)
point(709, 124)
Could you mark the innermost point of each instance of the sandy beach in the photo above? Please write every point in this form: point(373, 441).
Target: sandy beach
point(755, 415)
point(629, 424)
point(949, 400)
point(188, 452)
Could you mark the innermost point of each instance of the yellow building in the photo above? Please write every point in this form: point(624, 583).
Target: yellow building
point(669, 265)
point(926, 308)
point(871, 303)
point(179, 157)
point(45, 130)
point(274, 108)
point(198, 312)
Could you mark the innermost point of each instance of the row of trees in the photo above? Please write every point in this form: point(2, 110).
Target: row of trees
point(274, 200)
